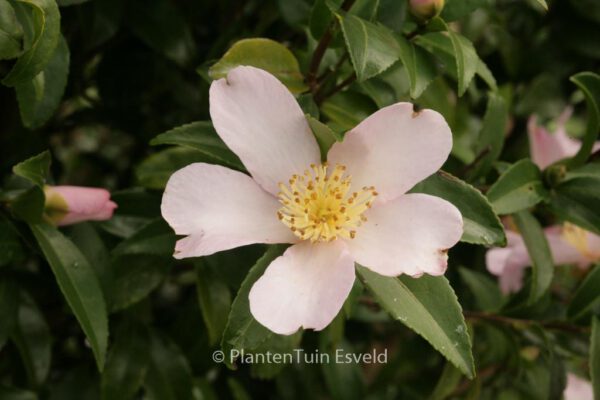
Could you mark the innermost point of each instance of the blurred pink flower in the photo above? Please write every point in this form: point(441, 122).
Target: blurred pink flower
point(66, 205)
point(578, 388)
point(546, 148)
point(568, 244)
point(332, 214)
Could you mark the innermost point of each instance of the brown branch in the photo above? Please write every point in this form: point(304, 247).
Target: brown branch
point(315, 62)
point(555, 325)
point(319, 97)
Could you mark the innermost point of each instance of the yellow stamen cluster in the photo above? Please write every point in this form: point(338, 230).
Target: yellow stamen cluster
point(318, 205)
point(578, 238)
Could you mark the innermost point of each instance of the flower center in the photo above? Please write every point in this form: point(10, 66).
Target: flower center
point(318, 205)
point(577, 237)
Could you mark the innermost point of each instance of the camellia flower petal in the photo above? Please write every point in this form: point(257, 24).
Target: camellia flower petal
point(219, 209)
point(568, 244)
point(578, 388)
point(306, 287)
point(66, 205)
point(259, 119)
point(547, 148)
point(353, 208)
point(394, 149)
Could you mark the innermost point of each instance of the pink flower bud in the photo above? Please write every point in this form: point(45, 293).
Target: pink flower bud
point(67, 205)
point(425, 9)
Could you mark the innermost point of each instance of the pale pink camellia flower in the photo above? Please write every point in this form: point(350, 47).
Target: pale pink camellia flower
point(66, 205)
point(352, 209)
point(546, 148)
point(578, 388)
point(569, 244)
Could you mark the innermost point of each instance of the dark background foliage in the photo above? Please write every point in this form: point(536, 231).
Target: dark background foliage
point(139, 68)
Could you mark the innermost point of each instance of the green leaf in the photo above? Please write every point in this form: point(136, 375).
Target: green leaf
point(372, 47)
point(458, 56)
point(135, 277)
point(79, 285)
point(428, 306)
point(214, 298)
point(11, 32)
point(169, 376)
point(34, 169)
point(543, 4)
point(586, 295)
point(539, 252)
point(324, 135)
point(155, 171)
point(243, 332)
point(491, 137)
point(456, 9)
point(577, 197)
point(345, 110)
point(11, 249)
point(595, 356)
point(481, 224)
point(447, 383)
point(518, 188)
point(44, 19)
point(487, 293)
point(589, 84)
point(40, 97)
point(32, 337)
point(419, 66)
point(155, 238)
point(200, 136)
point(265, 54)
point(162, 27)
point(126, 363)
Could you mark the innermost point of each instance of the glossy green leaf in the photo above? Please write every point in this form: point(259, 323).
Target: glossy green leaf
point(420, 68)
point(325, 136)
point(214, 298)
point(486, 292)
point(135, 277)
point(79, 285)
point(539, 252)
point(481, 224)
point(126, 363)
point(589, 84)
point(155, 171)
point(518, 188)
point(32, 337)
point(265, 54)
point(372, 47)
point(543, 4)
point(39, 97)
point(44, 19)
point(34, 169)
point(491, 136)
point(458, 56)
point(200, 136)
point(155, 238)
point(163, 27)
point(11, 32)
point(169, 376)
point(447, 383)
point(346, 110)
point(586, 295)
point(595, 356)
point(456, 9)
point(577, 197)
point(243, 332)
point(428, 306)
